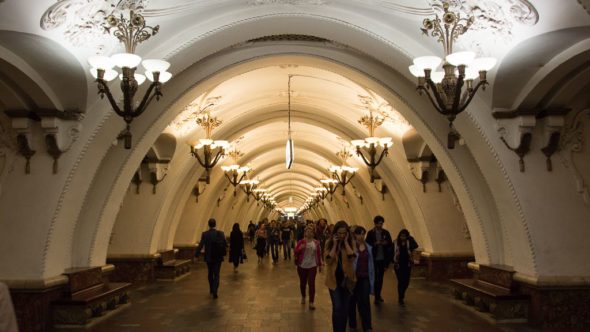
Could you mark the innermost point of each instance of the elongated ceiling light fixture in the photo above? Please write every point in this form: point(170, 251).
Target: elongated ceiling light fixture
point(289, 155)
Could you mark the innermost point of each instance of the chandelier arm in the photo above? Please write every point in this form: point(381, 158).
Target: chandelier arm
point(438, 109)
point(457, 97)
point(472, 94)
point(383, 153)
point(217, 157)
point(228, 178)
point(196, 154)
point(434, 89)
point(103, 89)
point(147, 98)
point(360, 153)
point(242, 177)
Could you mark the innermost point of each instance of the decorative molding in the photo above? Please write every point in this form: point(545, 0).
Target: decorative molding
point(59, 135)
point(572, 143)
point(22, 127)
point(287, 2)
point(496, 18)
point(516, 132)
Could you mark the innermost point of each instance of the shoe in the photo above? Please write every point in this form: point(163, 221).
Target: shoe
point(402, 303)
point(311, 306)
point(302, 300)
point(214, 296)
point(381, 299)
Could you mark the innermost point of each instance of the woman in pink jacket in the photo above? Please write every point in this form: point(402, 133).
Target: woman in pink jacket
point(308, 257)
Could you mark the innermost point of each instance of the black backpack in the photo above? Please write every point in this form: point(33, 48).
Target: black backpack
point(218, 246)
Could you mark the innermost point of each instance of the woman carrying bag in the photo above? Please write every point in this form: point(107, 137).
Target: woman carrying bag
point(308, 257)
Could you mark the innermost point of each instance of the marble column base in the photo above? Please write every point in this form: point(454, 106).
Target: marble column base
point(559, 304)
point(442, 267)
point(32, 305)
point(135, 269)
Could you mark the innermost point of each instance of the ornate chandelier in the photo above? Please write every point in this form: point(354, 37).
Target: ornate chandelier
point(258, 193)
point(445, 88)
point(372, 143)
point(249, 186)
point(212, 151)
point(130, 32)
point(330, 185)
point(234, 173)
point(343, 174)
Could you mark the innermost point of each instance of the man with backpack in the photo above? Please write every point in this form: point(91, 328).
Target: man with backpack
point(215, 248)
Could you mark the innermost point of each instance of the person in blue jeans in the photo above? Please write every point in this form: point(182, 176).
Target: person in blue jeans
point(364, 269)
point(274, 239)
point(340, 277)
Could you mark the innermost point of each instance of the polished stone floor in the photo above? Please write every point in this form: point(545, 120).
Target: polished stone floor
point(266, 298)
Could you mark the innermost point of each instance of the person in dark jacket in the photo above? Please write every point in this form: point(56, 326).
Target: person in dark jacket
point(236, 246)
point(212, 259)
point(380, 240)
point(402, 262)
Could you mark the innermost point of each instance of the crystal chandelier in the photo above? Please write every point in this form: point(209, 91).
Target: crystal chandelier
point(372, 143)
point(343, 174)
point(249, 186)
point(234, 173)
point(212, 151)
point(130, 32)
point(445, 88)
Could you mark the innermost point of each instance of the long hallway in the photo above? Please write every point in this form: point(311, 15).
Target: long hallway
point(266, 297)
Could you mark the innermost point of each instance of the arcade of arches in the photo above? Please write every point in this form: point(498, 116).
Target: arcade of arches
point(511, 197)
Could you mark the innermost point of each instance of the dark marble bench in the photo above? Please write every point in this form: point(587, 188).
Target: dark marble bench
point(88, 296)
point(493, 290)
point(170, 268)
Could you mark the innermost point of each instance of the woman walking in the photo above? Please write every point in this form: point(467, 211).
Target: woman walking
point(340, 276)
point(236, 246)
point(364, 269)
point(308, 256)
point(402, 262)
point(261, 242)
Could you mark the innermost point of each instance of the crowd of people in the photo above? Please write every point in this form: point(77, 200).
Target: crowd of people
point(354, 260)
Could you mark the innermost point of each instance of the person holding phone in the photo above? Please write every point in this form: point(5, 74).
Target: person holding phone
point(340, 275)
point(380, 239)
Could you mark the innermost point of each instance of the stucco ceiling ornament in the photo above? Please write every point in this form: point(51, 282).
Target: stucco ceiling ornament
point(186, 121)
point(496, 18)
point(82, 20)
point(572, 143)
point(287, 2)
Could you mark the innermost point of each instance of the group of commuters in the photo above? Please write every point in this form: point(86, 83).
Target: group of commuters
point(354, 260)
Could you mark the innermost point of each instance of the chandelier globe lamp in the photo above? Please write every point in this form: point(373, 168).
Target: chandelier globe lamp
point(451, 89)
point(130, 32)
point(372, 143)
point(208, 152)
point(235, 173)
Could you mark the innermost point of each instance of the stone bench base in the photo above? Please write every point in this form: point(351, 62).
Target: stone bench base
point(173, 269)
point(500, 302)
point(82, 307)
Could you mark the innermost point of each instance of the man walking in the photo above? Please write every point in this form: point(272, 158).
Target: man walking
point(215, 248)
point(380, 240)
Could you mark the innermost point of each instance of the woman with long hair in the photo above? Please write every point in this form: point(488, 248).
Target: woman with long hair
point(236, 246)
point(364, 270)
point(340, 276)
point(402, 262)
point(261, 242)
point(308, 256)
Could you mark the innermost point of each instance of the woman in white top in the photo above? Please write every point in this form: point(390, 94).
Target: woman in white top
point(308, 257)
